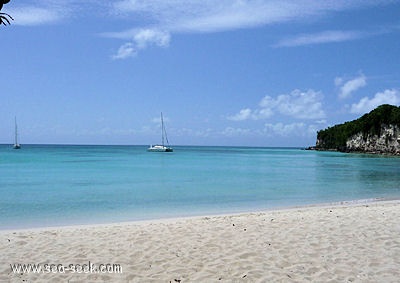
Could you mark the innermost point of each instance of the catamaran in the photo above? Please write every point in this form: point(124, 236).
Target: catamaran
point(16, 144)
point(161, 147)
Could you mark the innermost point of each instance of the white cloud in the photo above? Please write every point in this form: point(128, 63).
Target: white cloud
point(248, 114)
point(29, 15)
point(125, 51)
point(152, 22)
point(179, 16)
point(200, 133)
point(141, 39)
point(208, 15)
point(273, 130)
point(195, 15)
point(40, 12)
point(294, 129)
point(389, 96)
point(221, 15)
point(291, 129)
point(302, 105)
point(232, 132)
point(297, 104)
point(330, 36)
point(243, 114)
point(203, 133)
point(321, 37)
point(145, 37)
point(347, 88)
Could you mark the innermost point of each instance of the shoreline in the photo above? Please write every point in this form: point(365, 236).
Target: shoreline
point(352, 151)
point(355, 241)
point(168, 219)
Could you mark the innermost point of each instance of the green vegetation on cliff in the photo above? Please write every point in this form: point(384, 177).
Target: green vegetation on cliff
point(369, 124)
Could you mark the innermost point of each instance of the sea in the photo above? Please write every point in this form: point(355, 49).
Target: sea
point(61, 185)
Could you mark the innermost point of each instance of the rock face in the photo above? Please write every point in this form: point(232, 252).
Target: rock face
point(387, 143)
point(375, 132)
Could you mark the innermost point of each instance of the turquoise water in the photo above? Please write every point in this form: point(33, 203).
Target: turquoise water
point(44, 185)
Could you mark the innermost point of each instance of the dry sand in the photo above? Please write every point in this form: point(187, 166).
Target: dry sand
point(350, 243)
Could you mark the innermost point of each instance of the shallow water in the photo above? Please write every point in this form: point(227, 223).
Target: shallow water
point(50, 185)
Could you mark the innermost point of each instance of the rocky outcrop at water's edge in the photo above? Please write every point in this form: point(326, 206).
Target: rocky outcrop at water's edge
point(387, 143)
point(375, 132)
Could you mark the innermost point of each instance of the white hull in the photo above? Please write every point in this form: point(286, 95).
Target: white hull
point(160, 148)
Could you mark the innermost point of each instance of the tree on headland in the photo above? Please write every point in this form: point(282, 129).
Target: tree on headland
point(369, 124)
point(4, 17)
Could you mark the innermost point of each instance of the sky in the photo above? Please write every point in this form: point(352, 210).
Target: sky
point(228, 73)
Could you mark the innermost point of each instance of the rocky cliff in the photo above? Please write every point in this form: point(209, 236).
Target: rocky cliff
point(375, 132)
point(388, 142)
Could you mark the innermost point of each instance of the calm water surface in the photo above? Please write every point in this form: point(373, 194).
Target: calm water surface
point(44, 185)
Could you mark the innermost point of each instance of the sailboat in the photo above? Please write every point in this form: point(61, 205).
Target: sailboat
point(161, 147)
point(16, 144)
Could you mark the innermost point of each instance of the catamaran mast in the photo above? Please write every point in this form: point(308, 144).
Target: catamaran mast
point(164, 132)
point(16, 144)
point(162, 129)
point(16, 131)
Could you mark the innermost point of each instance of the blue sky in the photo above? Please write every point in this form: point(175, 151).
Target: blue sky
point(251, 73)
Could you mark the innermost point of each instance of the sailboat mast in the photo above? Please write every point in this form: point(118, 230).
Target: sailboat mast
point(162, 129)
point(16, 131)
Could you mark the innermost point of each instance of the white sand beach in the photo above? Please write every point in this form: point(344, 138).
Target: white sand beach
point(338, 243)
